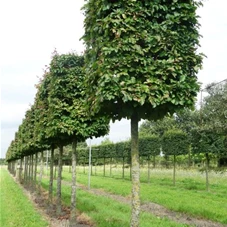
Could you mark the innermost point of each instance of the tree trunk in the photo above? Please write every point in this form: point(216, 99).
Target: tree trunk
point(149, 169)
point(72, 221)
point(32, 172)
point(174, 170)
point(25, 170)
point(47, 161)
point(189, 157)
point(207, 169)
point(50, 197)
point(14, 168)
point(20, 171)
point(29, 170)
point(35, 171)
point(41, 172)
point(104, 167)
point(154, 162)
point(58, 202)
point(55, 171)
point(123, 168)
point(110, 167)
point(135, 172)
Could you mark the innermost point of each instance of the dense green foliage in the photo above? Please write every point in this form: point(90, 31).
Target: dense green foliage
point(141, 56)
point(148, 146)
point(58, 114)
point(175, 142)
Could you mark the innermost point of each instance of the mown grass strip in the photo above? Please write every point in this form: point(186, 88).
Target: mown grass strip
point(16, 209)
point(108, 212)
point(201, 204)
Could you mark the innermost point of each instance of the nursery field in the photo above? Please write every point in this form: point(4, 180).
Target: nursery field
point(107, 203)
point(16, 210)
point(187, 200)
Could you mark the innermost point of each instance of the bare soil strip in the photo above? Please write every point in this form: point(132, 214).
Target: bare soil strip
point(40, 202)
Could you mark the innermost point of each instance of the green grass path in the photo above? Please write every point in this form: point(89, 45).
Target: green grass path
point(15, 208)
point(184, 198)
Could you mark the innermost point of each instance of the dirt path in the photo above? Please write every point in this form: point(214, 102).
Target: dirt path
point(157, 210)
point(40, 202)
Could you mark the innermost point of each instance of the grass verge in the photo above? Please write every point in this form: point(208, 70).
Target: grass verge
point(108, 212)
point(187, 197)
point(15, 207)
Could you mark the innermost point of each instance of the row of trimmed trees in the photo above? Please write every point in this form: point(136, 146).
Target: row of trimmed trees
point(57, 118)
point(206, 128)
point(141, 62)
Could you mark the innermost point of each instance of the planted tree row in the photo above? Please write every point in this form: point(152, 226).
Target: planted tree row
point(58, 118)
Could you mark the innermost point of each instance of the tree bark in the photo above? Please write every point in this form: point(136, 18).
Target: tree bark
point(25, 170)
point(72, 221)
point(41, 172)
point(104, 167)
point(35, 172)
point(149, 169)
point(174, 170)
point(135, 172)
point(58, 202)
point(20, 171)
point(50, 198)
point(123, 168)
point(29, 170)
point(207, 169)
point(110, 167)
point(154, 162)
point(32, 172)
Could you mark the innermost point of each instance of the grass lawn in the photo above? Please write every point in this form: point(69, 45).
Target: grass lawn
point(106, 212)
point(15, 208)
point(188, 196)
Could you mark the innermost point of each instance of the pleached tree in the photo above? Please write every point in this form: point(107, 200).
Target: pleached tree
point(68, 120)
point(141, 62)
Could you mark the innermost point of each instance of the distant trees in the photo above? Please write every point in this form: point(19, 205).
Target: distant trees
point(205, 128)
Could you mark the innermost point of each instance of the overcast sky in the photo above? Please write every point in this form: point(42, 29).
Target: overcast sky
point(31, 30)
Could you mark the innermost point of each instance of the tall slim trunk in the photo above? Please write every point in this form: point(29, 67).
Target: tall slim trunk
point(50, 198)
point(35, 171)
point(154, 162)
point(25, 170)
point(55, 171)
point(29, 170)
point(207, 169)
point(14, 168)
point(110, 167)
point(149, 169)
point(41, 172)
point(58, 202)
point(189, 157)
point(174, 170)
point(123, 168)
point(135, 172)
point(104, 167)
point(32, 172)
point(73, 192)
point(20, 171)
